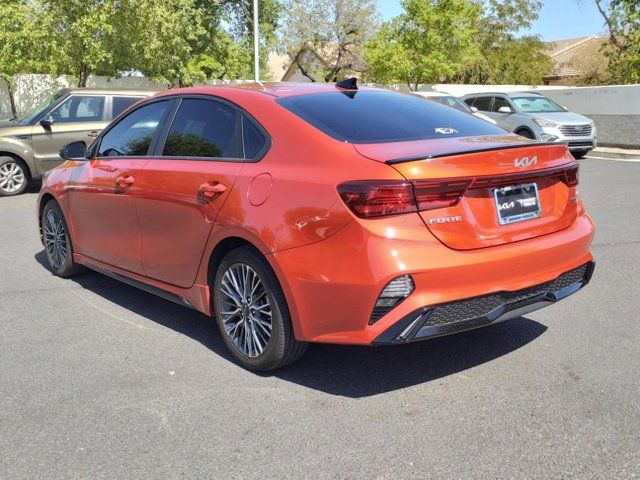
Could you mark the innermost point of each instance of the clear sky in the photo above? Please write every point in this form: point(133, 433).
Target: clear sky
point(559, 19)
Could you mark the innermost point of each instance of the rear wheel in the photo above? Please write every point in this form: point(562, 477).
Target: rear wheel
point(13, 177)
point(57, 242)
point(252, 313)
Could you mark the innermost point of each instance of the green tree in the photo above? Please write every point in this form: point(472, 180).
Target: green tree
point(23, 46)
point(507, 58)
point(622, 18)
point(87, 36)
point(432, 41)
point(325, 38)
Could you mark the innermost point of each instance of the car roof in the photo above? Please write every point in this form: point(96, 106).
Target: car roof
point(111, 91)
point(433, 94)
point(274, 89)
point(506, 94)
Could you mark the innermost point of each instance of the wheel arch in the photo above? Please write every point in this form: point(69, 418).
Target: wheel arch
point(229, 243)
point(23, 163)
point(524, 128)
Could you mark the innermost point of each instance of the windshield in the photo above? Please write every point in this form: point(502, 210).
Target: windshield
point(452, 102)
point(536, 105)
point(35, 112)
point(379, 116)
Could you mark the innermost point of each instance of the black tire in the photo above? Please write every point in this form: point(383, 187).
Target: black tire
point(525, 133)
point(579, 155)
point(14, 177)
point(280, 347)
point(55, 236)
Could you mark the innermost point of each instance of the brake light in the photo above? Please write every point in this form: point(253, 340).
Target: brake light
point(432, 194)
point(571, 176)
point(377, 198)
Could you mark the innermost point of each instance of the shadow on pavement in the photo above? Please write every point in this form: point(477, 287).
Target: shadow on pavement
point(348, 371)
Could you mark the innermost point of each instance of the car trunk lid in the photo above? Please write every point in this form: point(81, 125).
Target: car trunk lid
point(466, 188)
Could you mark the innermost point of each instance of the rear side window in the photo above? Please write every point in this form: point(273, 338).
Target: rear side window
point(482, 103)
point(132, 135)
point(203, 128)
point(120, 104)
point(376, 117)
point(78, 108)
point(254, 140)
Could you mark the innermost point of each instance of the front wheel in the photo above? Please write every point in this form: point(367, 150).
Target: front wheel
point(13, 177)
point(579, 155)
point(57, 242)
point(252, 313)
point(525, 133)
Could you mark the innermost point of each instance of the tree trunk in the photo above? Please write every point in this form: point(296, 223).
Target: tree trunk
point(12, 100)
point(83, 75)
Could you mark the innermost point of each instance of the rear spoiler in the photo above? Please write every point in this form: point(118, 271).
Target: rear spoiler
point(471, 150)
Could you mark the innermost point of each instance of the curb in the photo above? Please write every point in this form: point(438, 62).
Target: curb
point(633, 155)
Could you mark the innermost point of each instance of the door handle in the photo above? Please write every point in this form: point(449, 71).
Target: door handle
point(211, 189)
point(93, 134)
point(124, 182)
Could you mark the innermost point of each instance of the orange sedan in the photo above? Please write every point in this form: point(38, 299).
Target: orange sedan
point(298, 213)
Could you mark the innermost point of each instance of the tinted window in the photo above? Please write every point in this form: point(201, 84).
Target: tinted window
point(482, 103)
point(120, 104)
point(374, 117)
point(498, 103)
point(254, 140)
point(202, 128)
point(132, 135)
point(79, 108)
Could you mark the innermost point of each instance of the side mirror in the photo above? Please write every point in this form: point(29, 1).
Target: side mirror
point(474, 109)
point(46, 122)
point(74, 151)
point(505, 110)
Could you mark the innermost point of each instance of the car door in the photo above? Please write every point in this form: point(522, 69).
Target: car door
point(184, 186)
point(119, 103)
point(78, 117)
point(505, 120)
point(102, 193)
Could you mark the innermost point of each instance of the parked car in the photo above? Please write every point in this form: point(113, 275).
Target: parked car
point(29, 146)
point(535, 116)
point(296, 213)
point(455, 102)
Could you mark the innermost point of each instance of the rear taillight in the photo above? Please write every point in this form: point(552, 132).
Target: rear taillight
point(432, 194)
point(378, 198)
point(571, 176)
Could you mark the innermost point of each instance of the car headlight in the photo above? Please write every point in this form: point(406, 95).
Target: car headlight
point(545, 123)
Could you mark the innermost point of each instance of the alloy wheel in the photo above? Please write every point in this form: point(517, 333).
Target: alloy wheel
point(12, 177)
point(245, 310)
point(55, 239)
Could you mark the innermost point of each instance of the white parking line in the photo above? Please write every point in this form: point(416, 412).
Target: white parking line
point(636, 159)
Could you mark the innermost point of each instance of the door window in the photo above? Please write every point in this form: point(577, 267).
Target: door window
point(203, 128)
point(79, 108)
point(132, 135)
point(120, 104)
point(498, 103)
point(482, 103)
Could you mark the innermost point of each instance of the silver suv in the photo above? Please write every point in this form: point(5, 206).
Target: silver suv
point(535, 116)
point(29, 145)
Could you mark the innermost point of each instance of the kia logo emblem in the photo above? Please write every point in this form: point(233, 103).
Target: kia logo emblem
point(526, 161)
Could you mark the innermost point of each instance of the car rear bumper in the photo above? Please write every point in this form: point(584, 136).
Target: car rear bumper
point(471, 313)
point(332, 286)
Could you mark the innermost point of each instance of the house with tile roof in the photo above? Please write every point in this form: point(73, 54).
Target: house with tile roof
point(575, 58)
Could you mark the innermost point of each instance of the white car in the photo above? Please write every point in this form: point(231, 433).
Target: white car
point(455, 102)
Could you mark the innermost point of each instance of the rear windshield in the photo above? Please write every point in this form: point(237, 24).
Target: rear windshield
point(377, 117)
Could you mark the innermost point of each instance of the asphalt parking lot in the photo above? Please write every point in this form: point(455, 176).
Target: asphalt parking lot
point(101, 380)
